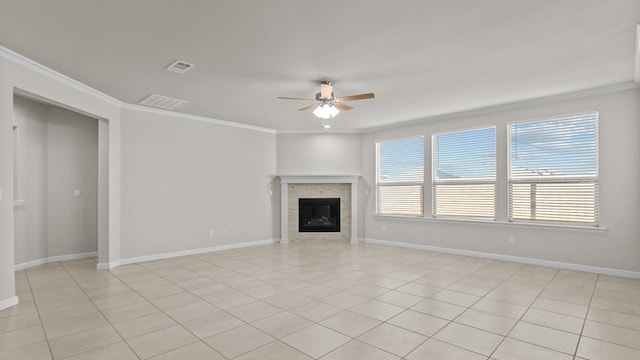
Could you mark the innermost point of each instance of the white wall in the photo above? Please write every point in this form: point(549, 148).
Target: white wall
point(319, 154)
point(618, 247)
point(57, 153)
point(18, 74)
point(182, 178)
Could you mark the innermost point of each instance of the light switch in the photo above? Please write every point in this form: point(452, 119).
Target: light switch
point(77, 193)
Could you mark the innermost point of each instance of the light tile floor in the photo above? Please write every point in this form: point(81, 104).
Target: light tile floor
point(320, 301)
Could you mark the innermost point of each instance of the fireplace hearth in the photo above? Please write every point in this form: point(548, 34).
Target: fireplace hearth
point(319, 215)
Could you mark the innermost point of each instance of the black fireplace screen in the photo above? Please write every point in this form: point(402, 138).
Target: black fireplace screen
point(319, 215)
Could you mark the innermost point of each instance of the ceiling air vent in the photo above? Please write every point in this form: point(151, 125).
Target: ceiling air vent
point(179, 66)
point(162, 102)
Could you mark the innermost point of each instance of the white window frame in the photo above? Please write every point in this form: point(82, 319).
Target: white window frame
point(556, 180)
point(435, 182)
point(398, 183)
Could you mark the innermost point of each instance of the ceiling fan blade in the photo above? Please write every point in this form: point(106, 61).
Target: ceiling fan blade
point(326, 89)
point(308, 107)
point(356, 97)
point(342, 106)
point(293, 98)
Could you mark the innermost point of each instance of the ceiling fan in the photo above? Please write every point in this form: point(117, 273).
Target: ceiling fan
point(326, 105)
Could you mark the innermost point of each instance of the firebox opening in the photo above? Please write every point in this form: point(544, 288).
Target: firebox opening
point(319, 215)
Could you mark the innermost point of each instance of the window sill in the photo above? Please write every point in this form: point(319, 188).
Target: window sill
point(495, 223)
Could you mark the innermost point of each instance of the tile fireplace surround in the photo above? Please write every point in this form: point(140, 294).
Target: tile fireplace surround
point(285, 181)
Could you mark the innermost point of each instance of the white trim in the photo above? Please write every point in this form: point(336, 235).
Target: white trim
point(139, 259)
point(471, 221)
point(198, 118)
point(319, 132)
point(510, 106)
point(52, 74)
point(7, 303)
point(637, 67)
point(49, 259)
point(510, 258)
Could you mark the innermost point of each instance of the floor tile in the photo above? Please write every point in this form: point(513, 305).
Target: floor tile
point(65, 346)
point(210, 325)
point(238, 341)
point(128, 312)
point(456, 298)
point(439, 309)
point(36, 351)
point(393, 339)
point(18, 322)
point(254, 311)
point(512, 349)
point(143, 325)
point(418, 322)
point(495, 307)
point(74, 325)
point(593, 349)
point(281, 324)
point(438, 350)
point(554, 320)
point(546, 337)
point(21, 337)
point(399, 298)
point(161, 341)
point(350, 323)
point(316, 340)
point(119, 350)
point(486, 321)
point(344, 299)
point(377, 310)
point(316, 310)
point(476, 340)
point(195, 351)
point(191, 311)
point(613, 334)
point(275, 350)
point(358, 350)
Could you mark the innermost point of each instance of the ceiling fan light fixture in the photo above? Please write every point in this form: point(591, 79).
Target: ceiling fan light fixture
point(326, 111)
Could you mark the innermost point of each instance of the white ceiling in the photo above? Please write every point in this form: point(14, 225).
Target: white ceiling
point(421, 58)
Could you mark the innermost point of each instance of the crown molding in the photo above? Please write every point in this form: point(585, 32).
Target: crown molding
point(54, 75)
point(318, 132)
point(510, 106)
point(197, 118)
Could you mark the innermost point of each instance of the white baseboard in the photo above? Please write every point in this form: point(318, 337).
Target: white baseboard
point(49, 259)
point(146, 258)
point(7, 303)
point(516, 259)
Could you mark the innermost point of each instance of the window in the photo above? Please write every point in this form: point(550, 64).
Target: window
point(400, 176)
point(464, 173)
point(553, 170)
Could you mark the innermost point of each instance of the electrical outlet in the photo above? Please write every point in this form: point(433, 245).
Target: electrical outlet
point(211, 233)
point(512, 240)
point(384, 228)
point(225, 232)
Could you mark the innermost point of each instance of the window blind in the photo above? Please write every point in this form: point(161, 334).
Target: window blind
point(400, 176)
point(464, 173)
point(553, 170)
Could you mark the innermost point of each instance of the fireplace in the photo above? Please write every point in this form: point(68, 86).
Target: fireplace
point(319, 215)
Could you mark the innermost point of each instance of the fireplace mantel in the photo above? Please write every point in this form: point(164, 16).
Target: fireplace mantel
point(285, 180)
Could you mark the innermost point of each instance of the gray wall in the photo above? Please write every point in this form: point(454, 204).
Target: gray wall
point(182, 178)
point(618, 247)
point(56, 154)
